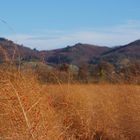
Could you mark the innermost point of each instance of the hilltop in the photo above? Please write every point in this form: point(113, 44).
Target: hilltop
point(77, 54)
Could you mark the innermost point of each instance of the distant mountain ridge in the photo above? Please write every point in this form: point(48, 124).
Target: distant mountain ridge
point(77, 54)
point(10, 50)
point(129, 52)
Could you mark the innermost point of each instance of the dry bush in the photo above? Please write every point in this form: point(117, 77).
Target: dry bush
point(29, 110)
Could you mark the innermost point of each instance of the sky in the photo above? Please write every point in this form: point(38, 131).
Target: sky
point(51, 24)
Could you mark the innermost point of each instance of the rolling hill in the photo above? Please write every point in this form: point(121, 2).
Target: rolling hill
point(12, 51)
point(121, 55)
point(77, 54)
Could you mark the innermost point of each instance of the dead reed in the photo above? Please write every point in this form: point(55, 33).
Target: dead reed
point(31, 111)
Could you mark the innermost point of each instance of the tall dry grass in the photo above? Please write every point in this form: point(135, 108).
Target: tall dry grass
point(30, 111)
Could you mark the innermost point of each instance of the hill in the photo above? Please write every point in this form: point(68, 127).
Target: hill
point(12, 51)
point(121, 55)
point(77, 54)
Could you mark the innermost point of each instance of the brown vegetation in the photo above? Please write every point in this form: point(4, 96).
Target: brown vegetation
point(29, 110)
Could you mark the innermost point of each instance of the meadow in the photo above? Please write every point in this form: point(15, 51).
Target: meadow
point(33, 111)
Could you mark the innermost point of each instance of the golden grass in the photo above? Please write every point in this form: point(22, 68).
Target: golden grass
point(30, 111)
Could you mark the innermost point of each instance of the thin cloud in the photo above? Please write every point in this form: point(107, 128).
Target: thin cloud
point(42, 38)
point(109, 36)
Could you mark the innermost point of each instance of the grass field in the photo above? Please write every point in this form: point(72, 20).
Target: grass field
point(30, 111)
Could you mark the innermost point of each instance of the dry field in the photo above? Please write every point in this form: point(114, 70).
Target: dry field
point(30, 111)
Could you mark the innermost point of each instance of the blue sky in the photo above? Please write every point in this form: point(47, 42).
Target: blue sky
point(49, 24)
